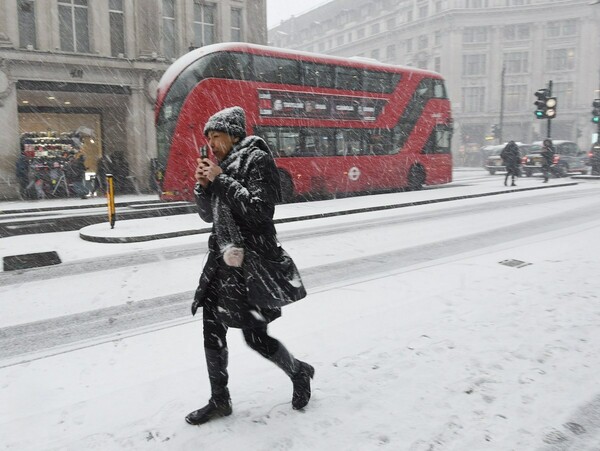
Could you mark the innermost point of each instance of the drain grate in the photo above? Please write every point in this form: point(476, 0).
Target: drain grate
point(26, 261)
point(514, 263)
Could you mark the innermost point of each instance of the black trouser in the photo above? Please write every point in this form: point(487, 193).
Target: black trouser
point(215, 335)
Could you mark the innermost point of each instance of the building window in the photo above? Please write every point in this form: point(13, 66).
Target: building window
point(422, 42)
point(117, 27)
point(473, 99)
point(560, 59)
point(423, 12)
point(516, 62)
point(375, 54)
point(517, 32)
point(375, 28)
point(236, 25)
point(437, 38)
point(516, 97)
point(476, 3)
point(475, 34)
point(26, 23)
point(390, 52)
point(564, 92)
point(409, 45)
point(73, 24)
point(360, 33)
point(339, 40)
point(409, 16)
point(474, 64)
point(438, 6)
point(437, 64)
point(559, 28)
point(391, 23)
point(168, 31)
point(204, 23)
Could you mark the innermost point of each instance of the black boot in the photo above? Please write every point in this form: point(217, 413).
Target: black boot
point(505, 179)
point(513, 182)
point(219, 404)
point(299, 372)
point(301, 383)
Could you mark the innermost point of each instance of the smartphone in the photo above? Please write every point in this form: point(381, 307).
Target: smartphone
point(203, 152)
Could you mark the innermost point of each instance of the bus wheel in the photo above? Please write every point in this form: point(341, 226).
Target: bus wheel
point(287, 187)
point(416, 178)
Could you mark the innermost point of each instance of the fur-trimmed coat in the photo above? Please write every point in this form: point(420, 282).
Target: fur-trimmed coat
point(249, 185)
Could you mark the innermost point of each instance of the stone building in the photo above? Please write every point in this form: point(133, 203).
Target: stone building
point(494, 54)
point(95, 64)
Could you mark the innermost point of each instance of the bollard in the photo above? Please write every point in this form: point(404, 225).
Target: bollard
point(110, 196)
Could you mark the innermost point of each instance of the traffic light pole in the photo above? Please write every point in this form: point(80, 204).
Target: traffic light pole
point(501, 124)
point(549, 132)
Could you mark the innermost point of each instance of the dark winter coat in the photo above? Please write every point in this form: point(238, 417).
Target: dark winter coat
point(548, 155)
point(511, 156)
point(77, 169)
point(268, 278)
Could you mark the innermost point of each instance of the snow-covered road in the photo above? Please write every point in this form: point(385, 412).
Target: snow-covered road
point(421, 340)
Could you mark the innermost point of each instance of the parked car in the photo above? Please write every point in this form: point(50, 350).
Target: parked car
point(494, 162)
point(568, 158)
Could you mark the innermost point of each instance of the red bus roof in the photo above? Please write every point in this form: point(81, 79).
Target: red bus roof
point(364, 63)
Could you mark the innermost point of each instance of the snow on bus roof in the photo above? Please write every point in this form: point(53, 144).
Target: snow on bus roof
point(184, 61)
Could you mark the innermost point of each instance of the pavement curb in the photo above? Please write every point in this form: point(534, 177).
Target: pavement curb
point(158, 236)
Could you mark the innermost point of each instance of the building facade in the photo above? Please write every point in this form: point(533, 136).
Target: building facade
point(494, 54)
point(95, 64)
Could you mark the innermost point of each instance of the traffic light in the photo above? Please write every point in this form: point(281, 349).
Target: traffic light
point(596, 111)
point(546, 105)
point(495, 130)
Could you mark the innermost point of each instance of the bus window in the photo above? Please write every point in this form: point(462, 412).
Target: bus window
point(382, 82)
point(348, 78)
point(276, 70)
point(319, 75)
point(225, 65)
point(270, 137)
point(425, 89)
point(289, 142)
point(400, 135)
point(379, 142)
point(315, 142)
point(439, 90)
point(348, 142)
point(439, 141)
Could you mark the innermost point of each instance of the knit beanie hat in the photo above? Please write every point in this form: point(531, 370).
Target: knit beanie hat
point(230, 120)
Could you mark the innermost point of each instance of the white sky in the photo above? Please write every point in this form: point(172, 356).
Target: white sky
point(449, 353)
point(278, 10)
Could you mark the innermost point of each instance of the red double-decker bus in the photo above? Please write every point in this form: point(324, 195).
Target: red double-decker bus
point(335, 125)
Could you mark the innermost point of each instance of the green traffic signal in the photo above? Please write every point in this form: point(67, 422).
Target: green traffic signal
point(596, 119)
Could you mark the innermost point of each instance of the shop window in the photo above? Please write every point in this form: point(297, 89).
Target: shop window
point(204, 23)
point(117, 27)
point(27, 35)
point(73, 25)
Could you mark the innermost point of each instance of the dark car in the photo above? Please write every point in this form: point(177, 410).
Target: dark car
point(568, 157)
point(494, 163)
